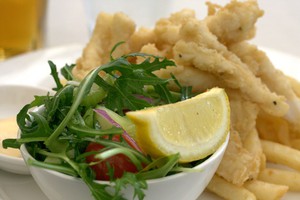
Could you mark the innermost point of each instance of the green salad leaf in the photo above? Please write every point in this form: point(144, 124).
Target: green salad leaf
point(59, 129)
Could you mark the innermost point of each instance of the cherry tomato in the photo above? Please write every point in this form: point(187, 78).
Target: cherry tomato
point(120, 163)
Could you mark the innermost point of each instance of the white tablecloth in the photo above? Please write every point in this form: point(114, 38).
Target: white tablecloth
point(278, 29)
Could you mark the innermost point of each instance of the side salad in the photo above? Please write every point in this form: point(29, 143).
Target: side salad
point(82, 130)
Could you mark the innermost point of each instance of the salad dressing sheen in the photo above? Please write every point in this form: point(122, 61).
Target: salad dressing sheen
point(8, 129)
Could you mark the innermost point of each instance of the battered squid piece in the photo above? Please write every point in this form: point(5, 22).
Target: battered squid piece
point(236, 76)
point(253, 144)
point(262, 67)
point(141, 37)
point(198, 47)
point(167, 29)
point(246, 128)
point(109, 30)
point(241, 108)
point(246, 143)
point(215, 59)
point(200, 82)
point(238, 164)
point(234, 22)
point(295, 85)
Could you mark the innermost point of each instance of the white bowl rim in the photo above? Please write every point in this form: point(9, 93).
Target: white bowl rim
point(202, 165)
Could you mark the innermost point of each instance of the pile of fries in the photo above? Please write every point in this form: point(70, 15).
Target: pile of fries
point(216, 51)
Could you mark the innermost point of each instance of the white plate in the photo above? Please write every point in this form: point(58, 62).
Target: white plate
point(32, 69)
point(12, 99)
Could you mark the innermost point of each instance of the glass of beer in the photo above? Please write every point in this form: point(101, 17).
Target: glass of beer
point(21, 26)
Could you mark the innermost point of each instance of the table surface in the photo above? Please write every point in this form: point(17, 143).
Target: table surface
point(278, 29)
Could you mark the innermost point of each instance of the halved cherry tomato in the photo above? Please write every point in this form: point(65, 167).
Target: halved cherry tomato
point(120, 163)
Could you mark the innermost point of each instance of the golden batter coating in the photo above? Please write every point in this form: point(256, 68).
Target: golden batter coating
point(211, 52)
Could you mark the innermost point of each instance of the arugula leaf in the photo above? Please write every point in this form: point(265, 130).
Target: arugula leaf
point(186, 91)
point(138, 185)
point(131, 79)
point(66, 71)
point(42, 128)
point(61, 100)
point(83, 90)
point(55, 76)
point(13, 143)
point(160, 167)
point(23, 116)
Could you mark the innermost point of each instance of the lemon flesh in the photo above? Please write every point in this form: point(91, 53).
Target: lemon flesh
point(194, 128)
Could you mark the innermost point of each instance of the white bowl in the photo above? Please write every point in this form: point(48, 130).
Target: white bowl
point(184, 185)
point(12, 99)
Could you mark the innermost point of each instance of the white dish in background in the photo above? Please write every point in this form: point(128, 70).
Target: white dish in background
point(12, 100)
point(32, 69)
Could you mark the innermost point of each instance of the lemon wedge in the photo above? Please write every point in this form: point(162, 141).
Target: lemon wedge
point(194, 128)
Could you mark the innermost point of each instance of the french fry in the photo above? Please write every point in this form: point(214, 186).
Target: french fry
point(295, 85)
point(274, 129)
point(238, 164)
point(295, 143)
point(265, 128)
point(281, 154)
point(279, 176)
point(228, 190)
point(253, 145)
point(266, 191)
point(263, 162)
point(283, 132)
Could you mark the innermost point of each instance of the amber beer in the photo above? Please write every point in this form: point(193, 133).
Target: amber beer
point(21, 26)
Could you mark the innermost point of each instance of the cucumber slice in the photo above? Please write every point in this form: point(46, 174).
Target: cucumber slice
point(123, 121)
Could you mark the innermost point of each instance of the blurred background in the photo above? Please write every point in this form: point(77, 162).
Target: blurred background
point(278, 29)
